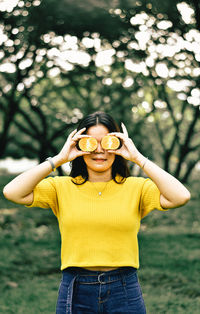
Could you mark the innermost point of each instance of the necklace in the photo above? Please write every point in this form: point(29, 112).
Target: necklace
point(99, 192)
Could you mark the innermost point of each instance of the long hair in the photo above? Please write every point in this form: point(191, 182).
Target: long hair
point(119, 166)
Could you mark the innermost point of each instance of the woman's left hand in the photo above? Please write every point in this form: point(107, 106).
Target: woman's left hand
point(128, 149)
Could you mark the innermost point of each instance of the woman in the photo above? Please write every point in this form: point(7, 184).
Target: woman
point(99, 208)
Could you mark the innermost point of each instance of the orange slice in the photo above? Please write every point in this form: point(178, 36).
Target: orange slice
point(110, 142)
point(87, 144)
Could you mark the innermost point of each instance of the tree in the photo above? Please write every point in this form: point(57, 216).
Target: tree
point(149, 76)
point(174, 76)
point(29, 55)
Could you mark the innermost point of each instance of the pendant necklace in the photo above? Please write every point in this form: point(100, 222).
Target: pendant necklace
point(100, 192)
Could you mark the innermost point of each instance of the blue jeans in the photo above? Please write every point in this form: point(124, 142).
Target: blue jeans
point(115, 291)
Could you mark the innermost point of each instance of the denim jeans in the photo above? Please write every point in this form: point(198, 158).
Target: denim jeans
point(83, 292)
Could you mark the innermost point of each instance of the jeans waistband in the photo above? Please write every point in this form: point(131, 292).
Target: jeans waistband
point(85, 276)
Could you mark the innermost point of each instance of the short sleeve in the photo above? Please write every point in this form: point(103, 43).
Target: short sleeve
point(45, 195)
point(150, 198)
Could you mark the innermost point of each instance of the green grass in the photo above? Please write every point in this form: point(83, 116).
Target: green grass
point(169, 260)
point(30, 259)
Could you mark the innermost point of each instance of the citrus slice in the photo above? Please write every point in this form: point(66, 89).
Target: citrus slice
point(110, 142)
point(87, 144)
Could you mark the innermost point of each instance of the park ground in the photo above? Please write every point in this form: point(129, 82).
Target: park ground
point(30, 258)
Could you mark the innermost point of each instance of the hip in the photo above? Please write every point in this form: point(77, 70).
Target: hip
point(116, 291)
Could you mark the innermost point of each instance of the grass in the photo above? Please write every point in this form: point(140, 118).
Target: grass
point(30, 259)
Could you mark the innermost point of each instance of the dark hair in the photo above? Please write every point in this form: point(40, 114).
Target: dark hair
point(119, 167)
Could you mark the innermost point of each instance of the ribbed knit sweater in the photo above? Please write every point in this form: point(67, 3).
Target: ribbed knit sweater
point(98, 230)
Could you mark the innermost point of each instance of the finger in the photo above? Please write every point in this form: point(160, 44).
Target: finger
point(84, 135)
point(82, 153)
point(81, 130)
point(76, 138)
point(73, 133)
point(116, 152)
point(124, 129)
point(118, 134)
point(76, 134)
point(78, 154)
point(81, 136)
point(111, 151)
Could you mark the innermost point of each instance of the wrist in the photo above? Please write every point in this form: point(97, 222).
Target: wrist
point(50, 161)
point(58, 161)
point(140, 160)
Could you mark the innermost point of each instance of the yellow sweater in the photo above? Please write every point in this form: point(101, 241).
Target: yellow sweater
point(98, 230)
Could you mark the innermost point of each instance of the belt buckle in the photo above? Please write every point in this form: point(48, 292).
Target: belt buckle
point(99, 280)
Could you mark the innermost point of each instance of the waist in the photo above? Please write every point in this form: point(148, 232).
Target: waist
point(91, 276)
point(100, 268)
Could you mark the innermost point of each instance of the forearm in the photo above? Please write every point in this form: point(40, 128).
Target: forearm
point(24, 184)
point(20, 189)
point(174, 193)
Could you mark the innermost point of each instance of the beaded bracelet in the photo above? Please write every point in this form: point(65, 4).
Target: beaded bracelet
point(51, 162)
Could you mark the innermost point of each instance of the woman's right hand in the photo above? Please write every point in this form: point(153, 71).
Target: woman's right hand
point(69, 151)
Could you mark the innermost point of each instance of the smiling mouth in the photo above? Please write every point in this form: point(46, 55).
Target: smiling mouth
point(99, 159)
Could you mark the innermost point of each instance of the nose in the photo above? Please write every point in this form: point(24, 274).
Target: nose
point(99, 149)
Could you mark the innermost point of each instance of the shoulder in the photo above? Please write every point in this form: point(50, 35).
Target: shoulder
point(58, 180)
point(138, 183)
point(135, 180)
point(61, 178)
point(134, 184)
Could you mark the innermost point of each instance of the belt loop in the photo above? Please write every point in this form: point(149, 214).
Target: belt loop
point(123, 277)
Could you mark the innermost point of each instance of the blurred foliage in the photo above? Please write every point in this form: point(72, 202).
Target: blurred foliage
point(138, 60)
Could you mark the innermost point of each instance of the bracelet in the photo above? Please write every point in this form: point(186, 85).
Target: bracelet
point(145, 163)
point(51, 162)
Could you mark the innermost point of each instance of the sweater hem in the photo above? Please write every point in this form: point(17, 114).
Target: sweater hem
point(98, 265)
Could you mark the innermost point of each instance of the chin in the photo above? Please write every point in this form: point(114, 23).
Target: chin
point(100, 169)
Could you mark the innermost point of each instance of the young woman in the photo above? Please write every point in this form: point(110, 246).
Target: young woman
point(99, 208)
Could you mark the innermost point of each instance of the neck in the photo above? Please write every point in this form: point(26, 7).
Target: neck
point(99, 176)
